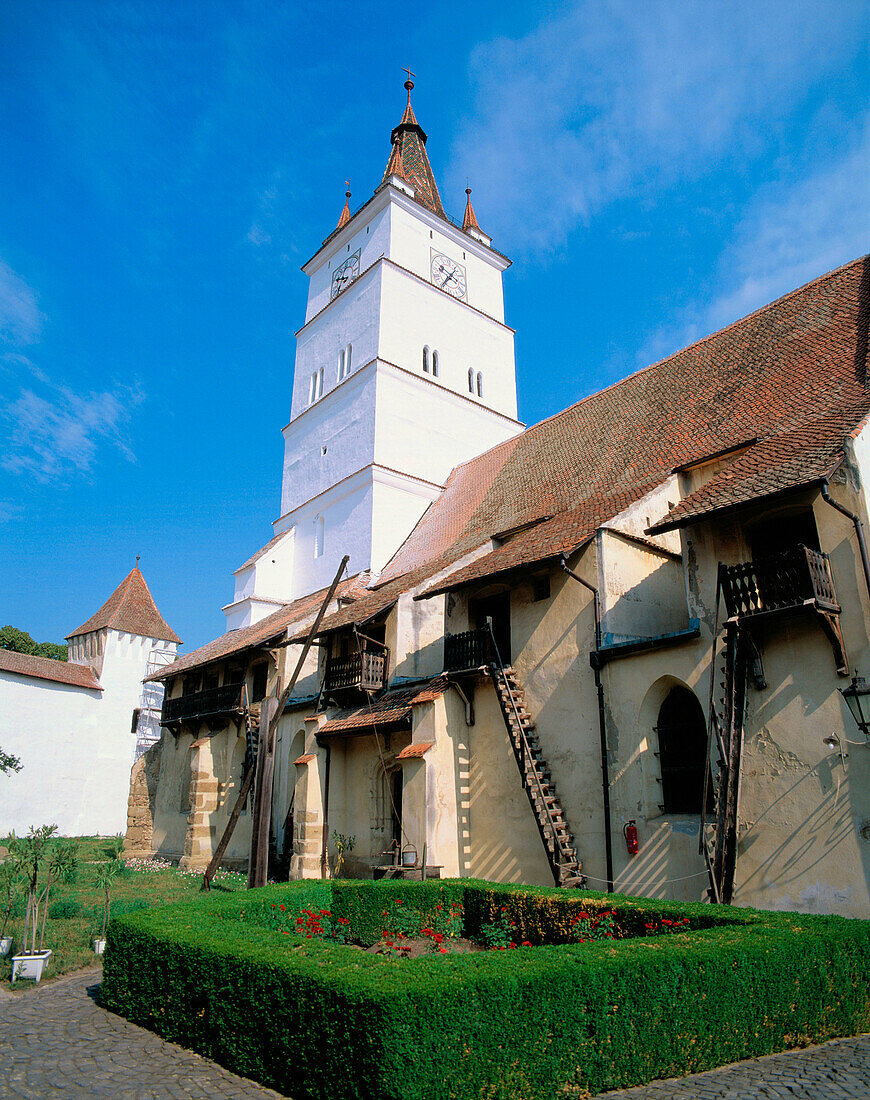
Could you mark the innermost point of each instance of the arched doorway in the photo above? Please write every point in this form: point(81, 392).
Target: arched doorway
point(682, 737)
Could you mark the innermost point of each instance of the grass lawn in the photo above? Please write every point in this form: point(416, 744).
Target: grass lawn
point(75, 909)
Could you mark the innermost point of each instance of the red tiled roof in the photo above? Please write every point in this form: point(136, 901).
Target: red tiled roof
point(299, 613)
point(130, 608)
point(306, 758)
point(392, 709)
point(416, 751)
point(43, 668)
point(469, 220)
point(791, 375)
point(408, 159)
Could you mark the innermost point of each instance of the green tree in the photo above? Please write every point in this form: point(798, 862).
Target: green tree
point(9, 763)
point(19, 641)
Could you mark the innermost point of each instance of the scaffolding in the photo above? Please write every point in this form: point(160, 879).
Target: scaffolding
point(147, 727)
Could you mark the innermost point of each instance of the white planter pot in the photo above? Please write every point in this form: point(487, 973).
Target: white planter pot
point(5, 944)
point(99, 947)
point(29, 966)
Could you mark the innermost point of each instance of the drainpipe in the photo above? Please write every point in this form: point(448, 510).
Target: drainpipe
point(602, 729)
point(859, 531)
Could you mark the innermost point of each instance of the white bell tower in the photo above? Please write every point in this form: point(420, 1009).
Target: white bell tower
point(404, 369)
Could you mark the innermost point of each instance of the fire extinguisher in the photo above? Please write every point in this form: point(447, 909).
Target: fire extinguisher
point(629, 831)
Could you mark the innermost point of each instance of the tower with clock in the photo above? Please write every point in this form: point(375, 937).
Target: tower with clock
point(404, 369)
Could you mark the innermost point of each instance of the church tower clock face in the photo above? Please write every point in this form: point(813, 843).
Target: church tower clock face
point(343, 276)
point(448, 275)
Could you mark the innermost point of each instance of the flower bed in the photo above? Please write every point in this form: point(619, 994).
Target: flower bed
point(241, 982)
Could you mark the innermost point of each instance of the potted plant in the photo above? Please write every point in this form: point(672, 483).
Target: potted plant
point(10, 881)
point(106, 874)
point(44, 859)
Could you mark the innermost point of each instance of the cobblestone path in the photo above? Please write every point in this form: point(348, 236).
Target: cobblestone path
point(55, 1041)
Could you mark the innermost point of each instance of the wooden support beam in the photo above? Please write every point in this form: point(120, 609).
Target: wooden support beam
point(268, 731)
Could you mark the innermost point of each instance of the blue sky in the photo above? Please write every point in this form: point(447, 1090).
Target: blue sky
point(655, 171)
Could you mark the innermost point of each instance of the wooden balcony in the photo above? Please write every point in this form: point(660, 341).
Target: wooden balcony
point(797, 578)
point(210, 703)
point(470, 649)
point(361, 671)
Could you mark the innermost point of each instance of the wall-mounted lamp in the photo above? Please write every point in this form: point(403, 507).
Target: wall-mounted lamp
point(857, 696)
point(833, 744)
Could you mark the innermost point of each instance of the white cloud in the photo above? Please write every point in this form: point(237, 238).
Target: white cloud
point(789, 235)
point(48, 436)
point(20, 319)
point(49, 429)
point(608, 100)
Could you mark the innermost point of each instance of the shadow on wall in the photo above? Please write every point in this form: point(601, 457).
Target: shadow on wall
point(805, 845)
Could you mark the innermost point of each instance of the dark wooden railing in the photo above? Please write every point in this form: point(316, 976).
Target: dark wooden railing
point(360, 670)
point(786, 580)
point(471, 649)
point(202, 704)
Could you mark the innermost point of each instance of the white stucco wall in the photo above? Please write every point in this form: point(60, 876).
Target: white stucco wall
point(75, 744)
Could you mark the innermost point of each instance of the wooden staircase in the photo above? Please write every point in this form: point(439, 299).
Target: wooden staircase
point(537, 780)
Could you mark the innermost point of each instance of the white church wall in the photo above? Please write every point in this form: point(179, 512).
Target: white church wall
point(351, 320)
point(415, 234)
point(343, 423)
point(346, 514)
point(76, 744)
point(415, 315)
point(397, 504)
point(425, 430)
point(369, 232)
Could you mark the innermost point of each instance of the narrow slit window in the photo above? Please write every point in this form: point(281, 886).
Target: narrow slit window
point(425, 360)
point(342, 355)
point(479, 384)
point(435, 364)
point(319, 536)
point(470, 380)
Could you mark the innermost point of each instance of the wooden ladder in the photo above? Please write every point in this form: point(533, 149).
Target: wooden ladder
point(719, 829)
point(537, 780)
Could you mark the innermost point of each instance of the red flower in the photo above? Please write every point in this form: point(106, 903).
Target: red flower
point(443, 950)
point(281, 907)
point(526, 943)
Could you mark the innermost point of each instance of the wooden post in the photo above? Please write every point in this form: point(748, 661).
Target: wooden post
point(271, 730)
point(258, 865)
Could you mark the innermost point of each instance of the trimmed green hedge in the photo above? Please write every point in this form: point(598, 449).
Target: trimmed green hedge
point(319, 1021)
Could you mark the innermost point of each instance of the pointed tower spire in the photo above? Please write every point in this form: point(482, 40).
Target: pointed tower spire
point(409, 160)
point(345, 214)
point(130, 608)
point(469, 220)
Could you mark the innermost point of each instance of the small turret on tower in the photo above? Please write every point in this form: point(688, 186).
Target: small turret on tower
point(470, 224)
point(345, 214)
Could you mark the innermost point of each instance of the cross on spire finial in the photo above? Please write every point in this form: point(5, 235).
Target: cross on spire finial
point(137, 561)
point(409, 83)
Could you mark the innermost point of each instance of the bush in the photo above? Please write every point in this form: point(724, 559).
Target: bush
point(65, 909)
point(315, 1019)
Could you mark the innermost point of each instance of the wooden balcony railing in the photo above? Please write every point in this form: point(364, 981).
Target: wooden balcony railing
point(202, 704)
point(364, 671)
point(795, 578)
point(471, 649)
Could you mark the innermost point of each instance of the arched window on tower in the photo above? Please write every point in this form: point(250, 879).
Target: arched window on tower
point(425, 360)
point(342, 363)
point(470, 380)
point(479, 384)
point(349, 357)
point(682, 738)
point(435, 364)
